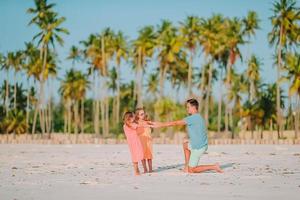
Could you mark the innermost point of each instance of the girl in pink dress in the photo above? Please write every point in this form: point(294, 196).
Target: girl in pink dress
point(133, 140)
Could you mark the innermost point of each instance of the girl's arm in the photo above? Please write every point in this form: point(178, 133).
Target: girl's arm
point(166, 124)
point(132, 125)
point(146, 124)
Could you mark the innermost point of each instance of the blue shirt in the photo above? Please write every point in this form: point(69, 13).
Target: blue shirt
point(197, 131)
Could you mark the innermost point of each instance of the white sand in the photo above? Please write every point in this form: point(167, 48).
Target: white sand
point(105, 172)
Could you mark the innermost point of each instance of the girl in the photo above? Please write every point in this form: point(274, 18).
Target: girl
point(134, 143)
point(145, 138)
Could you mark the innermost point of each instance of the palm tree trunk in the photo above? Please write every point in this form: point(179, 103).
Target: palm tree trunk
point(226, 118)
point(190, 72)
point(15, 91)
point(202, 90)
point(228, 77)
point(65, 118)
point(207, 100)
point(6, 95)
point(69, 116)
point(76, 117)
point(162, 76)
point(220, 103)
point(82, 116)
point(231, 123)
point(278, 109)
point(139, 79)
point(161, 83)
point(102, 116)
point(118, 95)
point(96, 117)
point(27, 107)
point(46, 114)
point(37, 106)
point(107, 116)
point(297, 116)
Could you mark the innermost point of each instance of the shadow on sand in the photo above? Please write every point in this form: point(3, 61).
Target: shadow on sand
point(180, 167)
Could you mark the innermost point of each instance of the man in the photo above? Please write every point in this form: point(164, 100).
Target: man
point(197, 144)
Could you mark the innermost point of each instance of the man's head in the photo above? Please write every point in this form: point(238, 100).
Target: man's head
point(192, 106)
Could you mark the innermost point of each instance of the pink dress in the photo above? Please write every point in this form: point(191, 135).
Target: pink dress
point(134, 143)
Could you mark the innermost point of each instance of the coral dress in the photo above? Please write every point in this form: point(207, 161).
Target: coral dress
point(134, 143)
point(146, 140)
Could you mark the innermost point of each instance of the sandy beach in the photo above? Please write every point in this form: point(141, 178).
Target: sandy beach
point(105, 172)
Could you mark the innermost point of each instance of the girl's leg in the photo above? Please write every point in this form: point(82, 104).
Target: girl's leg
point(136, 168)
point(144, 165)
point(150, 165)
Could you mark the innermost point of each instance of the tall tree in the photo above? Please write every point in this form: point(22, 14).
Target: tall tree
point(285, 32)
point(253, 76)
point(49, 24)
point(121, 51)
point(190, 31)
point(143, 49)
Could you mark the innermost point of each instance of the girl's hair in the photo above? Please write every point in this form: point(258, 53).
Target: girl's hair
point(137, 113)
point(127, 116)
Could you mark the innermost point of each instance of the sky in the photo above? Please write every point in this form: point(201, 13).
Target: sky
point(92, 16)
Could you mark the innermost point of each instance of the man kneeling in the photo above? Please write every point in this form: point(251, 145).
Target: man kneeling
point(197, 145)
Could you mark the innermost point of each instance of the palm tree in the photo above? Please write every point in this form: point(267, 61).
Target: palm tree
point(93, 56)
point(5, 65)
point(151, 86)
point(293, 68)
point(106, 40)
point(74, 55)
point(285, 32)
point(73, 90)
point(81, 84)
point(253, 76)
point(251, 24)
point(234, 38)
point(239, 87)
point(143, 48)
point(190, 31)
point(15, 122)
point(169, 46)
point(120, 46)
point(15, 61)
point(112, 85)
point(212, 41)
point(49, 23)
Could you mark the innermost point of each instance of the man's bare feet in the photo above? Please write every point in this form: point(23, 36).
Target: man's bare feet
point(218, 168)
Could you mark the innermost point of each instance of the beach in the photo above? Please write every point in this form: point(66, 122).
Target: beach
point(31, 171)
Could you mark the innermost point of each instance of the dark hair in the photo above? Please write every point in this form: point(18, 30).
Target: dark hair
point(193, 102)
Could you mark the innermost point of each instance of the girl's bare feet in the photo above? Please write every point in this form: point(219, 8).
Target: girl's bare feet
point(137, 173)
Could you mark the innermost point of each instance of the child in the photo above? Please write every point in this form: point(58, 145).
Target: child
point(145, 138)
point(134, 143)
point(197, 145)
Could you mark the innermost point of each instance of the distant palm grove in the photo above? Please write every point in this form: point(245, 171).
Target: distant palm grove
point(246, 102)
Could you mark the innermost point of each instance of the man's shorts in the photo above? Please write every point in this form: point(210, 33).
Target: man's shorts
point(196, 155)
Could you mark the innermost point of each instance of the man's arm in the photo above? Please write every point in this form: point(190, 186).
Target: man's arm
point(166, 124)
